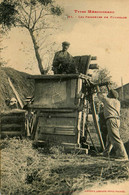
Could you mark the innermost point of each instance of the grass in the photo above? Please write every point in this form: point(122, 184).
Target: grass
point(26, 170)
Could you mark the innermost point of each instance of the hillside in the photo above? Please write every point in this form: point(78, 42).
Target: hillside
point(24, 86)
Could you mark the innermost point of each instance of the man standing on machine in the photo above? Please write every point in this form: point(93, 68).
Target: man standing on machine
point(63, 62)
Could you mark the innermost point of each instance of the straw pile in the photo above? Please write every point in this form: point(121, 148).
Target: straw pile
point(26, 170)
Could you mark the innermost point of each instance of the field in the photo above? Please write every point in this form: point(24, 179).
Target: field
point(50, 170)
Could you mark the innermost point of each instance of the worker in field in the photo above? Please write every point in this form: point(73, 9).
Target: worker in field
point(112, 116)
point(63, 62)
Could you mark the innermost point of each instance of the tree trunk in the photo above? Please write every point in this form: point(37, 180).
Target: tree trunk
point(37, 53)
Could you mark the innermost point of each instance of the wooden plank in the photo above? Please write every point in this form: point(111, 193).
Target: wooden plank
point(54, 109)
point(88, 63)
point(58, 139)
point(57, 127)
point(53, 132)
point(16, 93)
point(79, 127)
point(14, 112)
point(93, 66)
point(12, 133)
point(58, 115)
point(54, 77)
point(12, 119)
point(94, 58)
point(68, 144)
point(58, 76)
point(11, 127)
point(65, 133)
point(83, 123)
point(56, 122)
point(35, 123)
point(81, 63)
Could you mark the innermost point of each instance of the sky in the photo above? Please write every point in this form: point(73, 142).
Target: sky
point(106, 38)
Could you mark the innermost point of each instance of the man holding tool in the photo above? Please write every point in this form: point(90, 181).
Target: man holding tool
point(112, 116)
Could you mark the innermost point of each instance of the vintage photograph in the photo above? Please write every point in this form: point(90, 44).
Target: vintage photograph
point(64, 97)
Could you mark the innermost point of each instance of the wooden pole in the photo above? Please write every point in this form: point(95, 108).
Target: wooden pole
point(84, 119)
point(35, 123)
point(96, 122)
point(16, 93)
point(79, 127)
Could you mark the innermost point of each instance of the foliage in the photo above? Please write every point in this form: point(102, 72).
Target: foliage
point(23, 12)
point(102, 76)
point(125, 124)
point(33, 15)
point(7, 13)
point(56, 10)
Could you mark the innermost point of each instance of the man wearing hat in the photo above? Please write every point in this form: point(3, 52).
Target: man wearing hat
point(112, 116)
point(63, 62)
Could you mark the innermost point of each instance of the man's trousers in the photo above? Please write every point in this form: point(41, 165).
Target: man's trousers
point(113, 125)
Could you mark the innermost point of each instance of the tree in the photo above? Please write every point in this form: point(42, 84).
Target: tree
point(33, 15)
point(103, 75)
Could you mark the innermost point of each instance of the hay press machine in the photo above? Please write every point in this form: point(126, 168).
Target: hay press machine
point(61, 103)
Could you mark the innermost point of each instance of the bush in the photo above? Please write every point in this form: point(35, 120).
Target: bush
point(124, 128)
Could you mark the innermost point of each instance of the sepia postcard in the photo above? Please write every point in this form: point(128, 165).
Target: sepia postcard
point(56, 57)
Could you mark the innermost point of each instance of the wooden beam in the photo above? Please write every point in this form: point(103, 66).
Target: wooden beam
point(93, 66)
point(88, 64)
point(16, 93)
point(96, 122)
point(94, 58)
